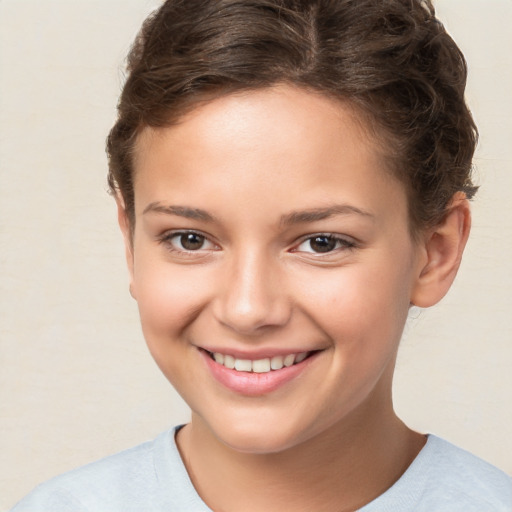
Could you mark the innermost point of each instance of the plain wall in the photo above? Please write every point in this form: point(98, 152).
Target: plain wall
point(76, 381)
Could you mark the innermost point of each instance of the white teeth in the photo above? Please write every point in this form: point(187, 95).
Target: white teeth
point(229, 362)
point(243, 365)
point(260, 365)
point(289, 359)
point(300, 357)
point(276, 363)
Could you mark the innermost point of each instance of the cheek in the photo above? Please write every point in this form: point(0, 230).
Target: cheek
point(169, 299)
point(168, 296)
point(361, 304)
point(362, 311)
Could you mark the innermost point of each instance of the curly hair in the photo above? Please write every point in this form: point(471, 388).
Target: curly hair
point(390, 59)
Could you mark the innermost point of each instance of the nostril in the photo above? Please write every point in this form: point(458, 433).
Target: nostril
point(250, 298)
point(251, 320)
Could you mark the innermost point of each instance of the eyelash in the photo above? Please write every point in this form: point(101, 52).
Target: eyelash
point(166, 239)
point(340, 243)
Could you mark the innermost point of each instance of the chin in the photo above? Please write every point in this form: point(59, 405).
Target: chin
point(258, 435)
point(258, 443)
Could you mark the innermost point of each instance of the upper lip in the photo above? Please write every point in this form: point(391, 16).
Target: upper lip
point(254, 355)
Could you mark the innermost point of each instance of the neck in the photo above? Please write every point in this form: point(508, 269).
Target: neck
point(341, 469)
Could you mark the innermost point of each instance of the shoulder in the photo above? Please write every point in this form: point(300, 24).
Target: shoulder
point(458, 473)
point(127, 481)
point(446, 478)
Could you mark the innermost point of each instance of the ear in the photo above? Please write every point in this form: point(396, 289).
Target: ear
point(442, 249)
point(126, 230)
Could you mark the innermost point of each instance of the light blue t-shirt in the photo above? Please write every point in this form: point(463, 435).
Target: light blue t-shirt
point(152, 478)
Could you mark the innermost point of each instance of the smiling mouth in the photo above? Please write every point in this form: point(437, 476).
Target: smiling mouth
point(265, 365)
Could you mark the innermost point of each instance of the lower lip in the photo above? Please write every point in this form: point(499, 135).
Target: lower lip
point(255, 384)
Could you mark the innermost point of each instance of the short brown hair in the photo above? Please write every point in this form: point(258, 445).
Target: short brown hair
point(391, 59)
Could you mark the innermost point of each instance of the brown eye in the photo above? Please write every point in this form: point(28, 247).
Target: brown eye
point(188, 242)
point(323, 243)
point(191, 241)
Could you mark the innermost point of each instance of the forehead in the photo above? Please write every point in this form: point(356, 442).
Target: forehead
point(244, 112)
point(260, 144)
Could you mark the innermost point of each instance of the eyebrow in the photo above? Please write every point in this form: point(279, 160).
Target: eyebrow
point(180, 211)
point(315, 214)
point(296, 217)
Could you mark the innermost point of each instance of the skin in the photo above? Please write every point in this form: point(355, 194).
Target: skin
point(241, 171)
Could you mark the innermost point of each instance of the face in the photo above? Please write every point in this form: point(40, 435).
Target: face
point(272, 265)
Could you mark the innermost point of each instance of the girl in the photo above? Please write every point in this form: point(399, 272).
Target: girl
point(291, 177)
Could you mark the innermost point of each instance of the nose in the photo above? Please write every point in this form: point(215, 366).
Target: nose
point(253, 297)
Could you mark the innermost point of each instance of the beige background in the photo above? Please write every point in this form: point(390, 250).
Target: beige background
point(76, 382)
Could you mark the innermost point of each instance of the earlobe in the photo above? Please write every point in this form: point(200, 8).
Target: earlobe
point(443, 248)
point(125, 226)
